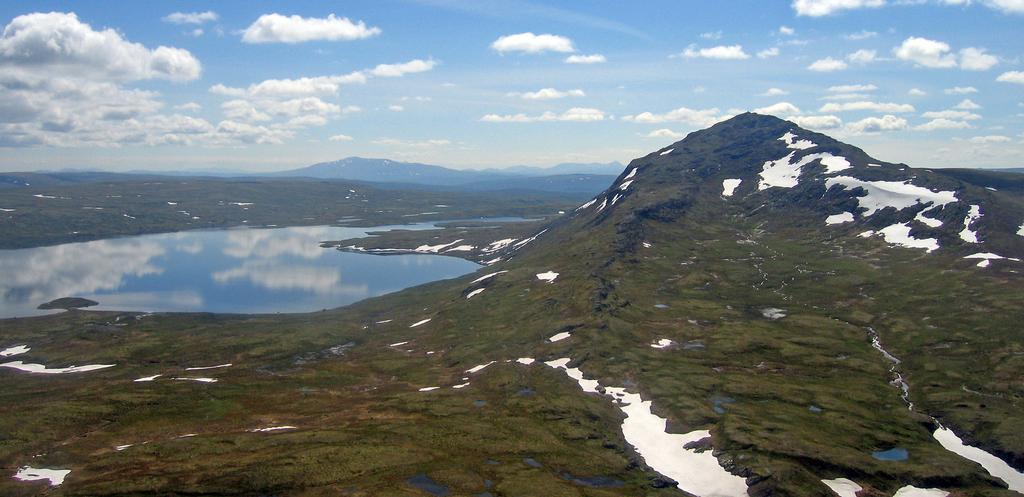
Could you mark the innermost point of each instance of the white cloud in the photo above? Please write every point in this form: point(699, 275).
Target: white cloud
point(818, 8)
point(942, 124)
point(957, 115)
point(851, 88)
point(1005, 6)
point(828, 64)
point(665, 133)
point(531, 43)
point(340, 138)
point(58, 44)
point(395, 142)
point(887, 122)
point(861, 35)
point(548, 94)
point(975, 59)
point(925, 52)
point(720, 52)
point(866, 106)
point(768, 52)
point(779, 109)
point(841, 97)
point(990, 139)
point(916, 92)
point(244, 111)
point(786, 30)
point(189, 107)
point(398, 70)
point(960, 90)
point(774, 92)
point(1012, 77)
point(276, 28)
point(817, 122)
point(712, 35)
point(585, 59)
point(695, 117)
point(396, 108)
point(862, 56)
point(575, 114)
point(191, 17)
point(967, 104)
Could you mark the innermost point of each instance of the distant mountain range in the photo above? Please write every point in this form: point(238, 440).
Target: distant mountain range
point(389, 171)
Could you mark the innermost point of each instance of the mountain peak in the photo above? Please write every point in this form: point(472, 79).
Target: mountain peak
point(766, 168)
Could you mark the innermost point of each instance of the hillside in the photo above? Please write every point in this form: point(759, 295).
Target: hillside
point(756, 309)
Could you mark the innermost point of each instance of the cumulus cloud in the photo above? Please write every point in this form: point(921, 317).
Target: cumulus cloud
point(191, 17)
point(818, 8)
point(1012, 77)
point(861, 35)
point(786, 31)
point(967, 104)
point(960, 90)
point(415, 144)
point(695, 117)
point(396, 108)
point(720, 52)
point(852, 88)
point(938, 55)
point(925, 52)
point(942, 124)
point(189, 107)
point(62, 85)
point(779, 109)
point(585, 59)
point(712, 35)
point(866, 105)
point(828, 64)
point(768, 53)
point(862, 56)
point(533, 43)
point(665, 133)
point(887, 122)
point(981, 140)
point(958, 115)
point(340, 138)
point(58, 43)
point(277, 28)
point(322, 85)
point(824, 122)
point(575, 114)
point(398, 70)
point(548, 94)
point(774, 92)
point(975, 59)
point(916, 92)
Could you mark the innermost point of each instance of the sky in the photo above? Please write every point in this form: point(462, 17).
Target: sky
point(262, 86)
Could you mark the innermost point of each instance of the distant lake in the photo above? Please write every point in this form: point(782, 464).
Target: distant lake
point(244, 270)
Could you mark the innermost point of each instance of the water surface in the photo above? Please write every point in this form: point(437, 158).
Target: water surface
point(244, 270)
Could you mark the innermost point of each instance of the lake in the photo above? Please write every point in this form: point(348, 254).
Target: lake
point(242, 270)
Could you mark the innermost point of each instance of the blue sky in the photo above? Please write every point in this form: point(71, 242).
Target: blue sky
point(265, 86)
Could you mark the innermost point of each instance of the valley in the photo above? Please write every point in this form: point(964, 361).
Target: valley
point(704, 326)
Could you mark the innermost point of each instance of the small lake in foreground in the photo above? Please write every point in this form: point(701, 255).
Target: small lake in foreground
point(243, 270)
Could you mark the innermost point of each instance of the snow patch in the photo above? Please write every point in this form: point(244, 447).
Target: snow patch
point(200, 380)
point(273, 428)
point(845, 217)
point(994, 465)
point(17, 349)
point(557, 337)
point(485, 277)
point(773, 313)
point(896, 194)
point(433, 249)
point(526, 360)
point(669, 151)
point(899, 234)
point(967, 234)
point(588, 204)
point(547, 276)
point(792, 142)
point(912, 491)
point(698, 473)
point(931, 223)
point(41, 369)
point(477, 369)
point(729, 186)
point(630, 175)
point(843, 487)
point(474, 293)
point(497, 245)
point(417, 323)
point(200, 368)
point(54, 476)
point(663, 343)
point(146, 378)
point(428, 389)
